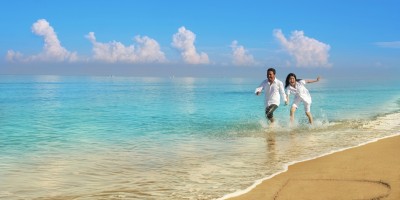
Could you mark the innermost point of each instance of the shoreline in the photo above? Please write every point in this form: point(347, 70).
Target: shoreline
point(290, 177)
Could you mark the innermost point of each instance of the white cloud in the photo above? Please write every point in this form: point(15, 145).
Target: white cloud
point(13, 56)
point(395, 44)
point(241, 55)
point(184, 42)
point(52, 49)
point(307, 52)
point(148, 50)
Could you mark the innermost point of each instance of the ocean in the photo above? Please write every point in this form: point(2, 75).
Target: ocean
point(82, 137)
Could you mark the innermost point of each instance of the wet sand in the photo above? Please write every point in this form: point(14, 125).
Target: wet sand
point(371, 171)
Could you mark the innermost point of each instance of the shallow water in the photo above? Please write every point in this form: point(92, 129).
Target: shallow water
point(181, 138)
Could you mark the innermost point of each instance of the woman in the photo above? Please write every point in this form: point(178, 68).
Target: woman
point(297, 87)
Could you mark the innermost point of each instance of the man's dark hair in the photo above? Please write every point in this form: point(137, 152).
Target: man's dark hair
point(272, 70)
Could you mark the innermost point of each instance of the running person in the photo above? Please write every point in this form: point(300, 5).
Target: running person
point(272, 87)
point(297, 87)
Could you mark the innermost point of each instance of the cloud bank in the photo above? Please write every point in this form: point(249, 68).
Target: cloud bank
point(240, 55)
point(307, 52)
point(183, 40)
point(52, 49)
point(148, 50)
point(395, 44)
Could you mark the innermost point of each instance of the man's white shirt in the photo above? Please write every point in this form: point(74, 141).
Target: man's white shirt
point(273, 91)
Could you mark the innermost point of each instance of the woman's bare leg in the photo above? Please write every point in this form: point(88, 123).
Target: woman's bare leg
point(292, 114)
point(310, 119)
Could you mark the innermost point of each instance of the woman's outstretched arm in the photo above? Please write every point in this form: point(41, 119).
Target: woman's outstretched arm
point(313, 81)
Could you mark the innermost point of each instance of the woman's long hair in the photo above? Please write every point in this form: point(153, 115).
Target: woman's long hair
point(288, 77)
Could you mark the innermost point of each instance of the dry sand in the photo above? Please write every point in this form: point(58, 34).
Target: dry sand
point(370, 171)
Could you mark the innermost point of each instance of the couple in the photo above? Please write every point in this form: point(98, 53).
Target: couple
point(273, 87)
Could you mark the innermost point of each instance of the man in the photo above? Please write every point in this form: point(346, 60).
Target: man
point(273, 87)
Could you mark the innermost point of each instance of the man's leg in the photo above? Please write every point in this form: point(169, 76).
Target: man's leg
point(269, 112)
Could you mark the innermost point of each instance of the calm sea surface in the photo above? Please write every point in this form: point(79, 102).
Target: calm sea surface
point(181, 138)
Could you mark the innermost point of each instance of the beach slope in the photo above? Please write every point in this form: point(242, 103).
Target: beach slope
point(370, 171)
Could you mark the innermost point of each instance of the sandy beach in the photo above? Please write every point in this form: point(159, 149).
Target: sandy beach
point(371, 171)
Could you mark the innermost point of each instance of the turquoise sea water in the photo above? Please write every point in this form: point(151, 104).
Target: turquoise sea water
point(171, 138)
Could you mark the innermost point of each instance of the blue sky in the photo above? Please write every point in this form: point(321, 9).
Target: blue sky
point(205, 38)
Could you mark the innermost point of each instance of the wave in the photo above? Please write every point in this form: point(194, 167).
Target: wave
point(383, 126)
point(361, 131)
